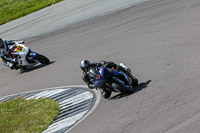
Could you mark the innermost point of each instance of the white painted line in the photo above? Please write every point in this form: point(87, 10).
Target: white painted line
point(1, 99)
point(64, 123)
point(59, 91)
point(76, 98)
point(39, 94)
point(98, 99)
point(52, 88)
point(79, 101)
point(46, 93)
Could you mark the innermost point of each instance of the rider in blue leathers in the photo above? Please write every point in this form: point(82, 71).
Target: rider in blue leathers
point(86, 66)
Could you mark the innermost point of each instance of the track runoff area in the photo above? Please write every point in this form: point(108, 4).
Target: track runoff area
point(75, 102)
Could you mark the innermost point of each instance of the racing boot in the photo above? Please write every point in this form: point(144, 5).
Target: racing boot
point(14, 66)
point(125, 69)
point(10, 65)
point(134, 81)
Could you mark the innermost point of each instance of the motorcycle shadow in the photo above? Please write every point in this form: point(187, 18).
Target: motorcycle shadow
point(138, 88)
point(37, 67)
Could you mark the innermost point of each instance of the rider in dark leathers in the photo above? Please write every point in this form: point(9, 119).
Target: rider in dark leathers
point(86, 66)
point(5, 53)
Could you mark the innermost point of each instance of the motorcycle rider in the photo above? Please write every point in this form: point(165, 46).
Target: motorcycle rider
point(86, 66)
point(5, 53)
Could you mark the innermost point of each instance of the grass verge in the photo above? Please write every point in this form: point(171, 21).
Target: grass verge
point(20, 115)
point(13, 9)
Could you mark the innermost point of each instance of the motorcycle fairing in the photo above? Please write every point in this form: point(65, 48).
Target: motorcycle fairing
point(120, 73)
point(102, 77)
point(32, 55)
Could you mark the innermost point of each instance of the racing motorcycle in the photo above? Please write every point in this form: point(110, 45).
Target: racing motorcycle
point(113, 79)
point(25, 58)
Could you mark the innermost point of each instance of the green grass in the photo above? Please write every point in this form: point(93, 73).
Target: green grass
point(12, 9)
point(27, 116)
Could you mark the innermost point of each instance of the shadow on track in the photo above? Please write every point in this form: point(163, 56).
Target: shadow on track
point(140, 87)
point(37, 67)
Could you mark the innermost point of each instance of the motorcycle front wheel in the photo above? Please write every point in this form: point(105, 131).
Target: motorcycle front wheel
point(42, 59)
point(122, 88)
point(134, 81)
point(106, 94)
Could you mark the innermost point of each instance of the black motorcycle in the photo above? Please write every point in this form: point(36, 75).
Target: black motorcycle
point(113, 80)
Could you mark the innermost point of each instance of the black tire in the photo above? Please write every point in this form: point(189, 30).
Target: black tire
point(106, 94)
point(134, 81)
point(42, 59)
point(121, 88)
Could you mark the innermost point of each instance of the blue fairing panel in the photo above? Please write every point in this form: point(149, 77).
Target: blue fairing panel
point(104, 74)
point(33, 54)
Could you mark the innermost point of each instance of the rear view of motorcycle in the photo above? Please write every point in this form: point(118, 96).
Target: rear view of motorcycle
point(114, 80)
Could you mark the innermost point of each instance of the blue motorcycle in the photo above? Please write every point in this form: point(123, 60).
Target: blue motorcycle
point(112, 80)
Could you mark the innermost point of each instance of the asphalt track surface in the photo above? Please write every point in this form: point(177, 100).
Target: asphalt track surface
point(61, 15)
point(159, 40)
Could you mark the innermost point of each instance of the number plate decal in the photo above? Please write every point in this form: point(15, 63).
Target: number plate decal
point(19, 48)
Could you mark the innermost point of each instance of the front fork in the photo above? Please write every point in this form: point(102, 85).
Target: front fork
point(105, 88)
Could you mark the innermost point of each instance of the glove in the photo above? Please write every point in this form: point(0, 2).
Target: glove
point(3, 57)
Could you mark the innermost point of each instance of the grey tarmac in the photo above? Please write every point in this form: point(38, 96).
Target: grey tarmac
point(159, 40)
